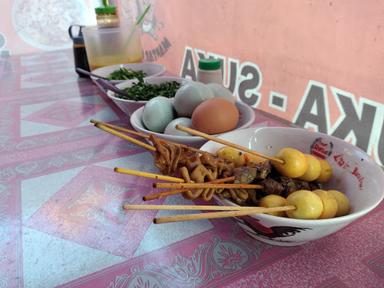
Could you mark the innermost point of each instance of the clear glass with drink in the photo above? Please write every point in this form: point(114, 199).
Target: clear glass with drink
point(108, 46)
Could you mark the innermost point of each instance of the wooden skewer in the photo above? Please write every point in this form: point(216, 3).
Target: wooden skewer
point(178, 191)
point(223, 180)
point(148, 175)
point(223, 214)
point(125, 137)
point(186, 207)
point(119, 128)
point(227, 143)
point(163, 194)
point(206, 185)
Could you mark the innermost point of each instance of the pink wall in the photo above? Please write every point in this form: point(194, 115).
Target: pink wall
point(316, 63)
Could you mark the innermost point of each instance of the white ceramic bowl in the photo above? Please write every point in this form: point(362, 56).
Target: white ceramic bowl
point(151, 69)
point(364, 187)
point(129, 106)
point(247, 117)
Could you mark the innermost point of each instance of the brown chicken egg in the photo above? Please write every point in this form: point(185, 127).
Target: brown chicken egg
point(215, 115)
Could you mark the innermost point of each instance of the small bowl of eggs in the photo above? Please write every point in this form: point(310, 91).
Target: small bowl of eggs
point(210, 108)
point(350, 184)
point(141, 92)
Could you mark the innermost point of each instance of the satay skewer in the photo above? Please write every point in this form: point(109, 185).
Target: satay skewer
point(166, 178)
point(146, 136)
point(163, 194)
point(178, 191)
point(227, 143)
point(186, 207)
point(126, 137)
point(148, 175)
point(119, 128)
point(222, 214)
point(207, 185)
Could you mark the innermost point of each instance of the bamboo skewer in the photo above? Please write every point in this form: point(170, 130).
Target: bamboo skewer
point(148, 175)
point(206, 185)
point(126, 137)
point(222, 214)
point(119, 128)
point(166, 193)
point(146, 136)
point(222, 180)
point(227, 143)
point(178, 191)
point(186, 207)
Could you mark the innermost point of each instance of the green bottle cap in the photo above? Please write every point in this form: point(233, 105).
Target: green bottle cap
point(209, 64)
point(105, 10)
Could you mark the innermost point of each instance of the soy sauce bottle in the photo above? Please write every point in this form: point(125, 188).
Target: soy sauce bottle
point(79, 52)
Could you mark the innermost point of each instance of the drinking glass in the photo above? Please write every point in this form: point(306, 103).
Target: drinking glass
point(108, 46)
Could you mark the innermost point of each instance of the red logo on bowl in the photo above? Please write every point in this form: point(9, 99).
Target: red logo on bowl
point(321, 148)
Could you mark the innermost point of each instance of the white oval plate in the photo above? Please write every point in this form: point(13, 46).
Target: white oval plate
point(247, 117)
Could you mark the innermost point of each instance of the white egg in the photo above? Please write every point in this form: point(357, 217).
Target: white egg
point(158, 112)
point(219, 90)
point(189, 96)
point(171, 127)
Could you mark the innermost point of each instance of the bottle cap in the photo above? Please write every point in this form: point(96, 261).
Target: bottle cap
point(105, 10)
point(209, 64)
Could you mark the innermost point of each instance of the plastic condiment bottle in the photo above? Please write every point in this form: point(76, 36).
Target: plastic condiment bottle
point(79, 52)
point(107, 17)
point(210, 71)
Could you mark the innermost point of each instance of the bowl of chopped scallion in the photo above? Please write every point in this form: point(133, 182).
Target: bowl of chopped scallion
point(123, 72)
point(140, 92)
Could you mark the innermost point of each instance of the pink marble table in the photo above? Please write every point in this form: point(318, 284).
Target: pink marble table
point(61, 222)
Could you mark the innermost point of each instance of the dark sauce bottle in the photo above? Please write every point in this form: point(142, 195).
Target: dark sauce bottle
point(79, 52)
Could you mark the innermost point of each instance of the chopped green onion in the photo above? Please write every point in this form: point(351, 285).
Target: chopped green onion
point(141, 91)
point(126, 74)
